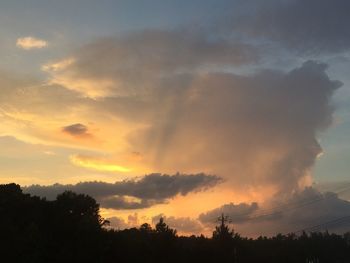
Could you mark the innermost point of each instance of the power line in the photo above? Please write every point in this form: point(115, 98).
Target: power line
point(325, 224)
point(293, 206)
point(286, 207)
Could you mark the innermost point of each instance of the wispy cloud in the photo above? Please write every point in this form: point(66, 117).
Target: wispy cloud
point(28, 43)
point(97, 164)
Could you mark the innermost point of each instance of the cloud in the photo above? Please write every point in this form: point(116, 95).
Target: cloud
point(236, 213)
point(307, 209)
point(120, 223)
point(175, 101)
point(268, 123)
point(97, 164)
point(168, 94)
point(117, 66)
point(28, 43)
point(117, 223)
point(184, 225)
point(313, 26)
point(168, 106)
point(77, 130)
point(311, 207)
point(133, 194)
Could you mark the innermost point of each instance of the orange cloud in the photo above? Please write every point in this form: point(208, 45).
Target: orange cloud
point(28, 43)
point(97, 164)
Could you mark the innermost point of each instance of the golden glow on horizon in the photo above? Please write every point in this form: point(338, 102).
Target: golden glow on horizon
point(97, 164)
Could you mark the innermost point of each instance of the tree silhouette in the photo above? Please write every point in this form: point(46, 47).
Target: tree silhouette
point(146, 228)
point(70, 229)
point(164, 229)
point(222, 232)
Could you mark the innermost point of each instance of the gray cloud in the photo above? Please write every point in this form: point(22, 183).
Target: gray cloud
point(268, 123)
point(236, 213)
point(311, 207)
point(136, 62)
point(77, 129)
point(133, 194)
point(162, 51)
point(185, 225)
point(305, 209)
point(312, 26)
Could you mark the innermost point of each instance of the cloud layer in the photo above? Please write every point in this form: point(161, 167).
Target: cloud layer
point(134, 63)
point(237, 213)
point(133, 194)
point(314, 27)
point(307, 209)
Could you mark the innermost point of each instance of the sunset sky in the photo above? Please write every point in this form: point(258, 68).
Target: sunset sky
point(181, 109)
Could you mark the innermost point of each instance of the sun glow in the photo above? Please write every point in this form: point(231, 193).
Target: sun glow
point(97, 164)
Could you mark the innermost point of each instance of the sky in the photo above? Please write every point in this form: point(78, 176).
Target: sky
point(181, 109)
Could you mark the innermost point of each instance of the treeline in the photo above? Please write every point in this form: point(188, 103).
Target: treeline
point(70, 229)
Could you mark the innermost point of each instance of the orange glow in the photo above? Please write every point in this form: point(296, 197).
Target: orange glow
point(96, 164)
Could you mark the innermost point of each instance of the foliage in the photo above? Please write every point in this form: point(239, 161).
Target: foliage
point(70, 229)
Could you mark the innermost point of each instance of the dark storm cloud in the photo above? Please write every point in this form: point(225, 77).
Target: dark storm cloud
point(77, 129)
point(133, 194)
point(314, 26)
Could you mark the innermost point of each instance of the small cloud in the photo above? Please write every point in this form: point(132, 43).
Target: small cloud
point(28, 43)
point(76, 130)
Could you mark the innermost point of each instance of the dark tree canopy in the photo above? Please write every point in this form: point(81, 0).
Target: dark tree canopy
point(70, 229)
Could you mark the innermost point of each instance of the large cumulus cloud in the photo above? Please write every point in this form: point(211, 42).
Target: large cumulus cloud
point(191, 112)
point(266, 125)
